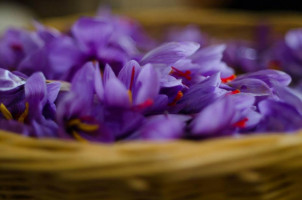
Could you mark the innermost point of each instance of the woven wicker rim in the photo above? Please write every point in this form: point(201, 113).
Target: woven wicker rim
point(204, 158)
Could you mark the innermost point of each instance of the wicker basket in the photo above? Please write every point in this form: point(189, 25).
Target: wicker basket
point(257, 167)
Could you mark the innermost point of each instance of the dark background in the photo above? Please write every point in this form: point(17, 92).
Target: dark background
point(52, 8)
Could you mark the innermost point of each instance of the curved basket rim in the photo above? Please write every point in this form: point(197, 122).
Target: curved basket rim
point(173, 159)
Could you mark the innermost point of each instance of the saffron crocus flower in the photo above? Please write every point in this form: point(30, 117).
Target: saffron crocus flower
point(127, 30)
point(58, 59)
point(286, 54)
point(228, 115)
point(99, 40)
point(200, 95)
point(242, 56)
point(136, 87)
point(15, 45)
point(203, 63)
point(278, 117)
point(163, 58)
point(260, 83)
point(29, 101)
point(169, 53)
point(78, 113)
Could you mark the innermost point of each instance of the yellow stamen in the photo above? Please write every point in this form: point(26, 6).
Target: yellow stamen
point(130, 95)
point(5, 112)
point(24, 114)
point(82, 126)
point(78, 137)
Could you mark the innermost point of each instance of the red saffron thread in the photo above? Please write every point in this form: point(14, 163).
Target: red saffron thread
point(145, 104)
point(228, 79)
point(241, 123)
point(178, 96)
point(233, 92)
point(274, 64)
point(132, 78)
point(186, 74)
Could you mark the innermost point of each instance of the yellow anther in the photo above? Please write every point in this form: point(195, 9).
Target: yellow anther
point(5, 112)
point(82, 126)
point(24, 114)
point(78, 137)
point(130, 95)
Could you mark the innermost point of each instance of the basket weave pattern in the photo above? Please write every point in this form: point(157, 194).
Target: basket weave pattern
point(253, 167)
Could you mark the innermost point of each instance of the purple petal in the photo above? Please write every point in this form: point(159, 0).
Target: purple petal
point(53, 90)
point(108, 74)
point(35, 94)
point(91, 33)
point(147, 85)
point(222, 111)
point(9, 81)
point(116, 94)
point(268, 76)
point(253, 86)
point(279, 116)
point(164, 127)
point(129, 73)
point(202, 94)
point(169, 53)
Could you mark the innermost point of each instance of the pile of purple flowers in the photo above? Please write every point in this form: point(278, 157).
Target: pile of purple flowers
point(105, 80)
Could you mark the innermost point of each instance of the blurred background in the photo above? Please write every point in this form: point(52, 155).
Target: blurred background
point(21, 12)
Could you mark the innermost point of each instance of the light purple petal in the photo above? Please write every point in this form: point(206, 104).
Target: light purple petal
point(214, 118)
point(108, 74)
point(253, 86)
point(91, 33)
point(202, 94)
point(147, 85)
point(116, 94)
point(164, 127)
point(171, 52)
point(268, 76)
point(35, 94)
point(132, 68)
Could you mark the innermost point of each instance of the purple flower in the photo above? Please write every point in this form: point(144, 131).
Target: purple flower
point(135, 87)
point(100, 39)
point(78, 113)
point(278, 117)
point(230, 114)
point(260, 83)
point(127, 29)
point(58, 59)
point(200, 95)
point(287, 54)
point(169, 53)
point(242, 56)
point(15, 45)
point(29, 101)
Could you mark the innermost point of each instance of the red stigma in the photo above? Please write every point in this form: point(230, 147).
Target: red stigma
point(16, 47)
point(186, 74)
point(274, 64)
point(241, 123)
point(145, 104)
point(228, 79)
point(132, 78)
point(178, 96)
point(233, 92)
